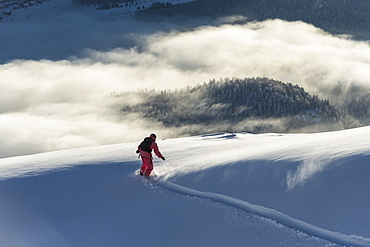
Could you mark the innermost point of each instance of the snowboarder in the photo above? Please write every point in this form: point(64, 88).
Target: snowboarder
point(145, 149)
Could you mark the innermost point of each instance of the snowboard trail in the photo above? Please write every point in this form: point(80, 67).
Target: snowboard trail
point(334, 237)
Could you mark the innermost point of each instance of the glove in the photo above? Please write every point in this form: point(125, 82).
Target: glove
point(163, 158)
point(137, 151)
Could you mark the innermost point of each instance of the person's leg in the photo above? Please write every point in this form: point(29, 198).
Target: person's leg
point(144, 166)
point(149, 167)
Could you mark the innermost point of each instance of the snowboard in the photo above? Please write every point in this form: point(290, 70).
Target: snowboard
point(139, 173)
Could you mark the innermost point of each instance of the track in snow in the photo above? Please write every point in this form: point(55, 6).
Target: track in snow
point(335, 237)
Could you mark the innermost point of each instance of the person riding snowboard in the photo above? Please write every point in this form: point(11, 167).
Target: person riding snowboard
point(145, 149)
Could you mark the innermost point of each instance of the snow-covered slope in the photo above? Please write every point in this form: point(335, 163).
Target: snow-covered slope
point(213, 190)
point(16, 10)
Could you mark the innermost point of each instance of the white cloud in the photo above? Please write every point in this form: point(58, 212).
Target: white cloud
point(47, 105)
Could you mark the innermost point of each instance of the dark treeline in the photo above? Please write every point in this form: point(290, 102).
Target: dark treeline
point(105, 4)
point(108, 4)
point(235, 102)
point(335, 16)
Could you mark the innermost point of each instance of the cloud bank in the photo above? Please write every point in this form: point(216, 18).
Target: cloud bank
point(57, 104)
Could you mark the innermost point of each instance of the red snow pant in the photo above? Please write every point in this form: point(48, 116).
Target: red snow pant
point(147, 166)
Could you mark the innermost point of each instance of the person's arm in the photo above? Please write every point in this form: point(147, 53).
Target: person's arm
point(156, 151)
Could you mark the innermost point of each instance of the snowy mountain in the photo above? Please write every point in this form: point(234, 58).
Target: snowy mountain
point(212, 190)
point(20, 10)
point(334, 16)
point(58, 67)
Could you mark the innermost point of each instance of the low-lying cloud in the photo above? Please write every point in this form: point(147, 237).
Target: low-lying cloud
point(57, 104)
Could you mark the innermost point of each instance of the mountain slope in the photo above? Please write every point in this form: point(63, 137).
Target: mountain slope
point(335, 16)
point(21, 10)
point(92, 197)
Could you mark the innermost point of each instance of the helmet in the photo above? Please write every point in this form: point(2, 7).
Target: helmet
point(153, 136)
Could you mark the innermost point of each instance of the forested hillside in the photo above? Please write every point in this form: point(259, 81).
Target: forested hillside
point(234, 104)
point(336, 16)
point(106, 4)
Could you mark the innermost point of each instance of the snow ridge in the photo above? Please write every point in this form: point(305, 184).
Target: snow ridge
point(281, 218)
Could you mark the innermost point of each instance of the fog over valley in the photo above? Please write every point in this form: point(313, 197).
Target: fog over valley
point(60, 75)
